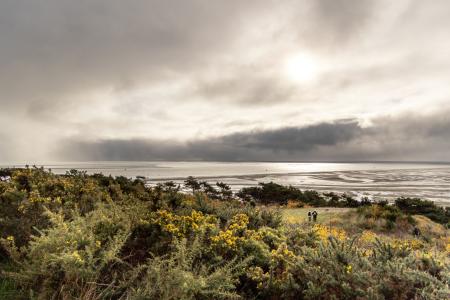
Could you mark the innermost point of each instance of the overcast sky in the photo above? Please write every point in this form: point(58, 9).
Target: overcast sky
point(233, 80)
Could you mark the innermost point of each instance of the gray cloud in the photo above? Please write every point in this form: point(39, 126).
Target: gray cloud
point(294, 139)
point(412, 137)
point(60, 47)
point(133, 77)
point(5, 148)
point(238, 146)
point(244, 87)
point(341, 21)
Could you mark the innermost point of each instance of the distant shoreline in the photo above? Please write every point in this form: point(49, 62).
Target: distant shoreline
point(44, 163)
point(378, 180)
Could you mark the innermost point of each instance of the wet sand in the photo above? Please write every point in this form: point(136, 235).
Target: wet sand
point(374, 180)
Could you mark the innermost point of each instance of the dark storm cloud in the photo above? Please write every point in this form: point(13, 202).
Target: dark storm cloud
point(410, 137)
point(407, 137)
point(238, 146)
point(296, 139)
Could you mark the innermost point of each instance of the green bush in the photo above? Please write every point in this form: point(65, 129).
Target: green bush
point(426, 208)
point(71, 257)
point(77, 236)
point(184, 274)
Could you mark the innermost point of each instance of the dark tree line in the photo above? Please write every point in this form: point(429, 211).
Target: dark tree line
point(220, 191)
point(273, 193)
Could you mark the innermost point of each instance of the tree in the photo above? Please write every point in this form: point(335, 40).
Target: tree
point(192, 183)
point(225, 190)
point(169, 187)
point(209, 190)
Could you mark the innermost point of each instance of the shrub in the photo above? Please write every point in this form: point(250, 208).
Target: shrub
point(72, 257)
point(183, 274)
point(384, 217)
point(423, 207)
point(98, 237)
point(267, 193)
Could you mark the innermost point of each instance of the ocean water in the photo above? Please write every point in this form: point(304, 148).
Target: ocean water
point(374, 180)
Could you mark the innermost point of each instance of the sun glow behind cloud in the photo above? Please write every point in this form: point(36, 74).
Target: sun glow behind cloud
point(301, 68)
point(128, 75)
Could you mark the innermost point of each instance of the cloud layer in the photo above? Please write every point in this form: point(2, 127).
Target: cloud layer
point(192, 79)
point(402, 139)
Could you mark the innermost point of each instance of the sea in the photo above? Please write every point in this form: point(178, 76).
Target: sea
point(381, 180)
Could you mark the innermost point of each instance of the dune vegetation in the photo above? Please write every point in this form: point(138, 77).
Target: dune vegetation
point(79, 236)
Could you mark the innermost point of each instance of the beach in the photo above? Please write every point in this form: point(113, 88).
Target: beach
point(374, 180)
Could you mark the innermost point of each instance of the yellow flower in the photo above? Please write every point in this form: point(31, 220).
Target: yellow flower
point(416, 244)
point(281, 254)
point(324, 232)
point(225, 239)
point(98, 244)
point(77, 256)
point(183, 225)
point(239, 222)
point(348, 269)
point(171, 228)
point(10, 238)
point(368, 236)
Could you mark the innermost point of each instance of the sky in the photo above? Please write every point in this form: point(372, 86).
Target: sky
point(254, 80)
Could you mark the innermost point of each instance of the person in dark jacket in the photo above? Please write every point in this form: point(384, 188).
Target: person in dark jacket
point(314, 215)
point(309, 216)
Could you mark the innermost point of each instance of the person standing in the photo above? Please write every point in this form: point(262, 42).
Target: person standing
point(309, 216)
point(314, 215)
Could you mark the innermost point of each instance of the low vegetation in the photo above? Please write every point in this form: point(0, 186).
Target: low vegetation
point(275, 194)
point(77, 236)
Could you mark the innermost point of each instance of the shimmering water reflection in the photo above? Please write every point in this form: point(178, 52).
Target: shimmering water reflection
point(376, 180)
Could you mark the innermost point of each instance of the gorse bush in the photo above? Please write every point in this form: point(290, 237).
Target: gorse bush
point(68, 257)
point(184, 274)
point(77, 236)
point(340, 270)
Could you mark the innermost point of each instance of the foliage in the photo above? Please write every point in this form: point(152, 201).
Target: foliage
point(183, 274)
point(222, 192)
point(272, 193)
point(79, 236)
point(266, 193)
point(65, 259)
point(182, 226)
point(426, 208)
